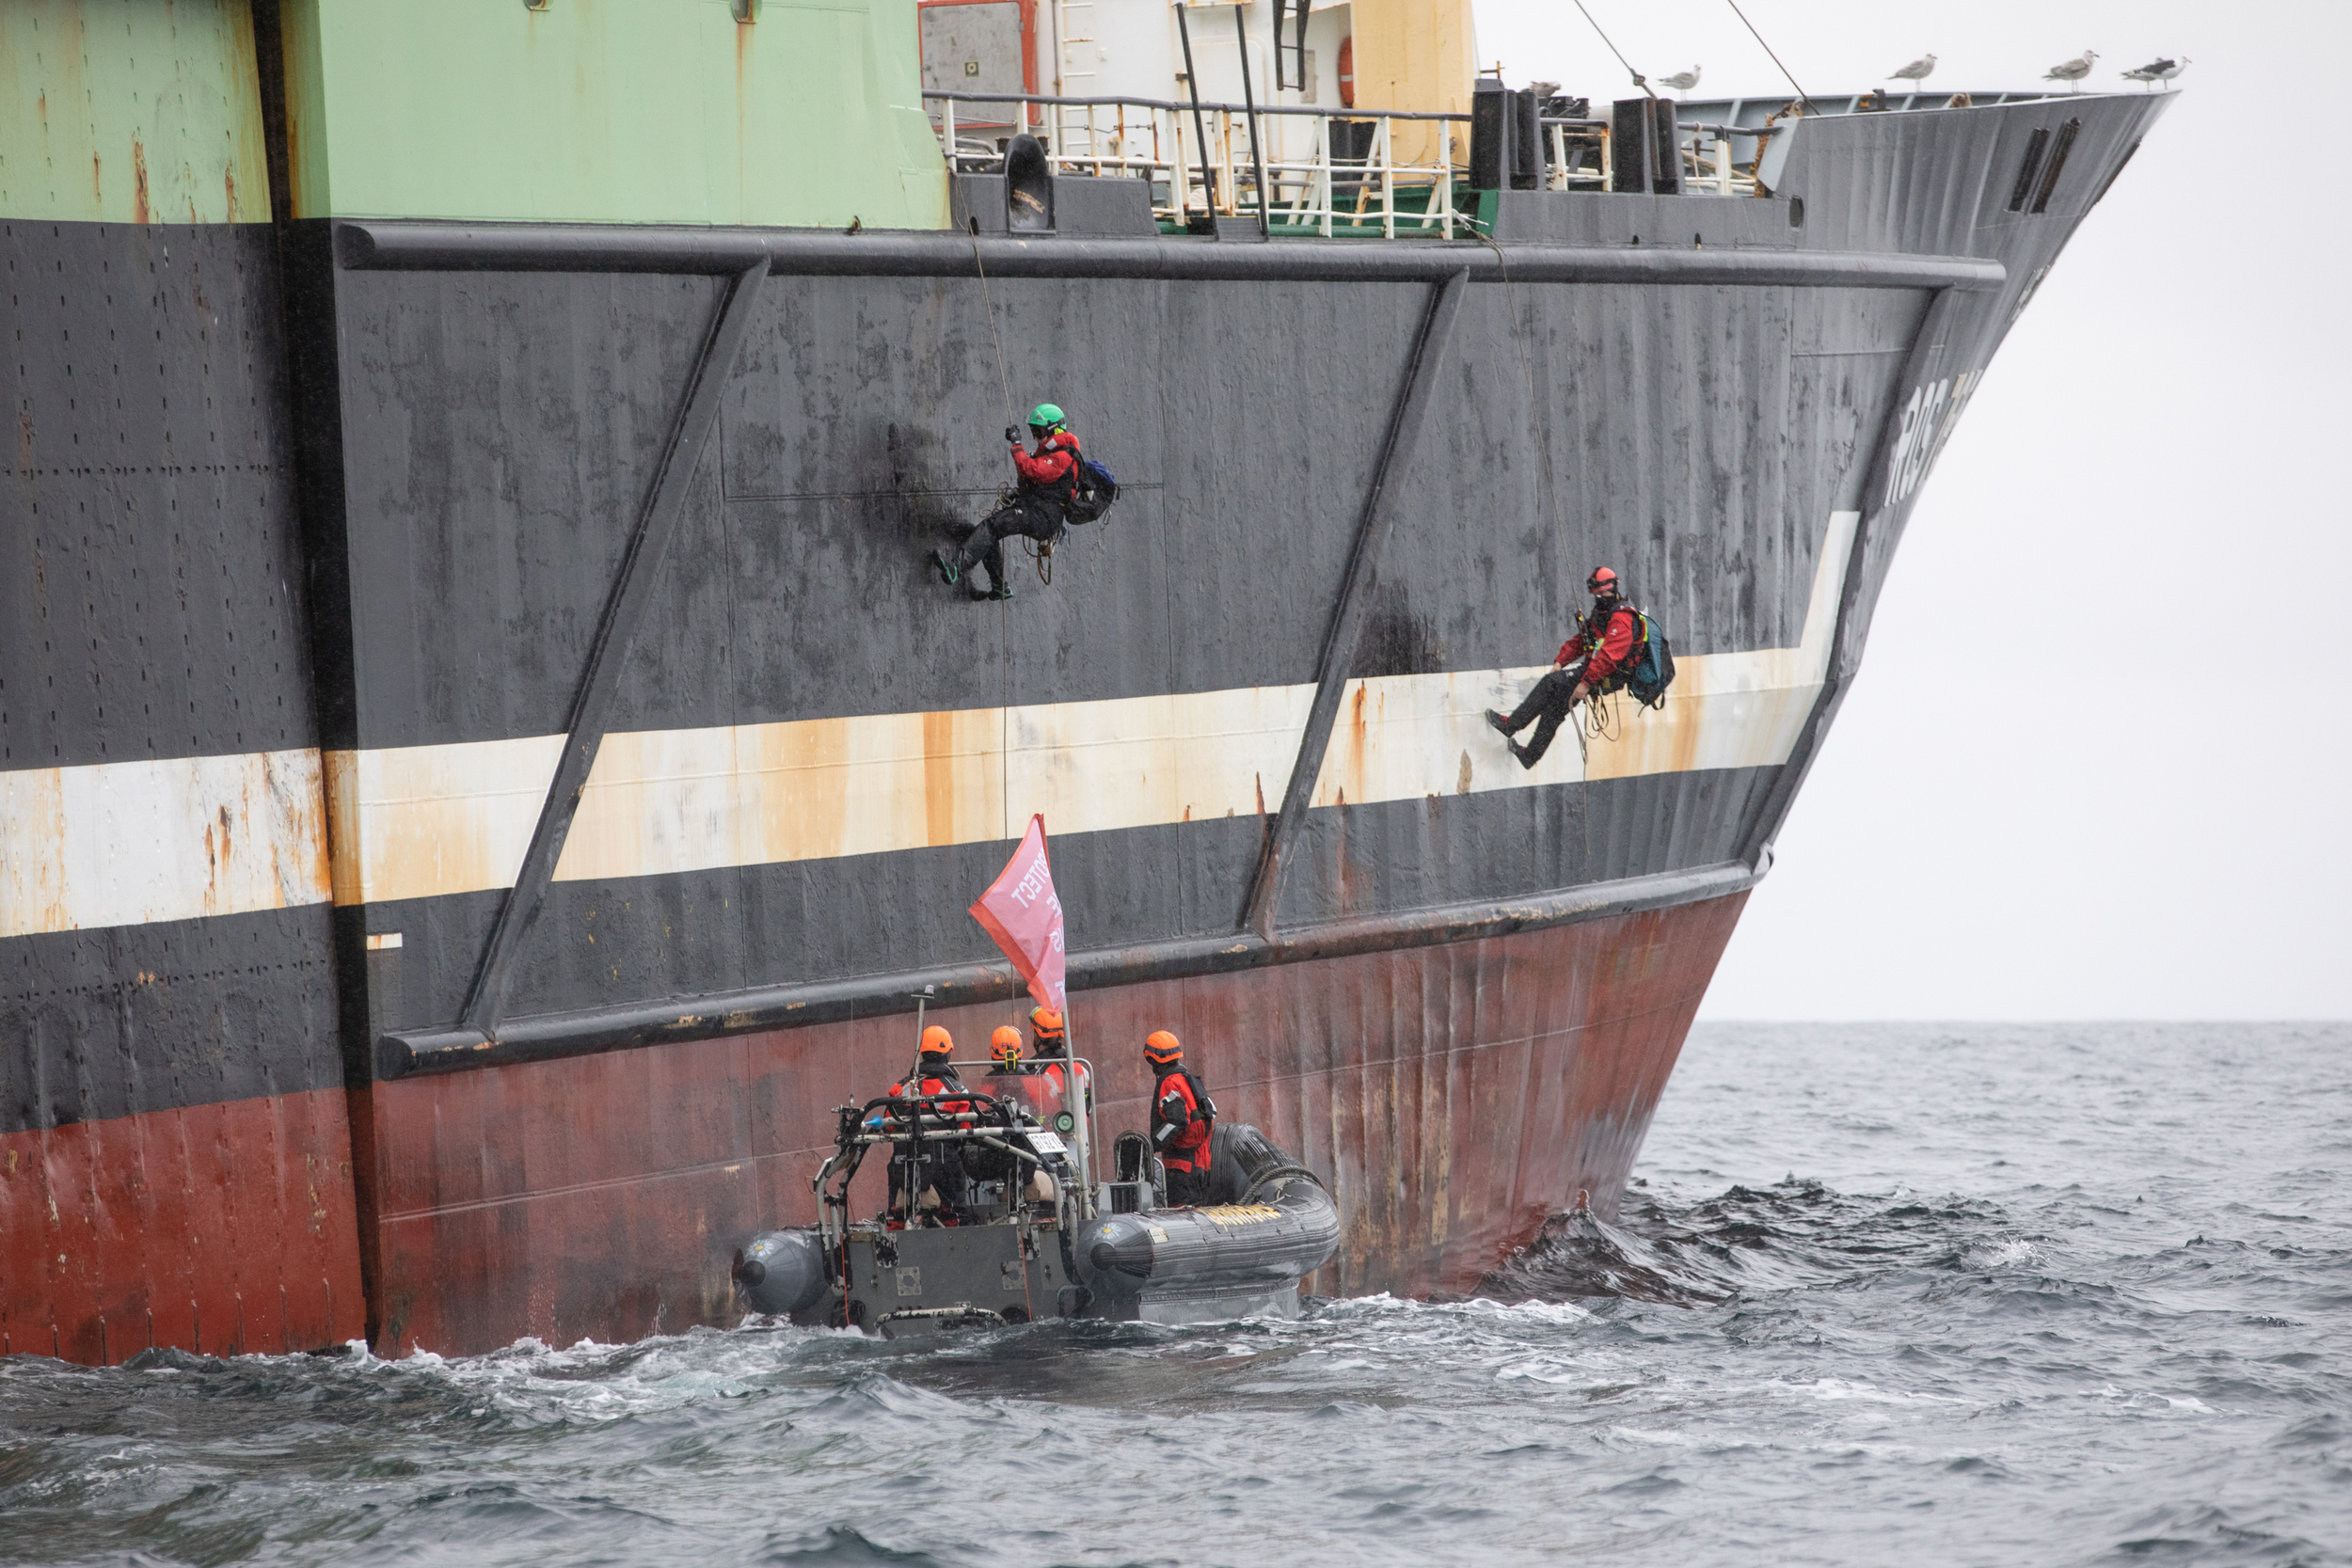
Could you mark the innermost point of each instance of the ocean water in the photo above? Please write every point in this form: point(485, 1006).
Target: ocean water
point(1972, 1293)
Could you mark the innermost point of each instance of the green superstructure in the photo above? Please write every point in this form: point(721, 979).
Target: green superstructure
point(130, 111)
point(612, 111)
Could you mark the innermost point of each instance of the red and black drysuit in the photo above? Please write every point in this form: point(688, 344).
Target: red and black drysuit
point(1607, 643)
point(1049, 481)
point(1049, 1054)
point(939, 1166)
point(1182, 1118)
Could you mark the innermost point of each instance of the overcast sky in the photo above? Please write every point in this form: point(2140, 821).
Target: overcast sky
point(2095, 764)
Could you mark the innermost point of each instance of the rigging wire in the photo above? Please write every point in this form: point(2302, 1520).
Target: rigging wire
point(1803, 97)
point(1613, 48)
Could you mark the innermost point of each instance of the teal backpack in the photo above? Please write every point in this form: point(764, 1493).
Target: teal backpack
point(1650, 667)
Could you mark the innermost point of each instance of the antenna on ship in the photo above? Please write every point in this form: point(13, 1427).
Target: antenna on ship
point(922, 1000)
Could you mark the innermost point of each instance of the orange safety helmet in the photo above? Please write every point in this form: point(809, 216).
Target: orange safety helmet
point(1005, 1045)
point(1046, 1021)
point(938, 1042)
point(1603, 583)
point(1161, 1049)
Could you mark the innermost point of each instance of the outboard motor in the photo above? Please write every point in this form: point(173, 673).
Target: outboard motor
point(781, 1272)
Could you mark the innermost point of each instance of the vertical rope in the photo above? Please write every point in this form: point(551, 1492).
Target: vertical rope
point(1004, 383)
point(1004, 622)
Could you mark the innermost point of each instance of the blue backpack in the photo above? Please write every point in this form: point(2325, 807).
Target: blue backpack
point(1097, 488)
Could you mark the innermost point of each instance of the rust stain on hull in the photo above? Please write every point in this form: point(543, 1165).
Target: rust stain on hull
point(225, 1229)
point(1455, 1097)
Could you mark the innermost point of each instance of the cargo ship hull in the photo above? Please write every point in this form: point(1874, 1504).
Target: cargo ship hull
point(488, 767)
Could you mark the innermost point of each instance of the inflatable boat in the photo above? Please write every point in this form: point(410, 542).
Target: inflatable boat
point(995, 1215)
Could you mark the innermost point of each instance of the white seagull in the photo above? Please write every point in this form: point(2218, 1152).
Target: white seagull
point(1917, 71)
point(2162, 69)
point(1681, 81)
point(2072, 71)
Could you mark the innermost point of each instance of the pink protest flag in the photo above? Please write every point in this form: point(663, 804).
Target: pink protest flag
point(1023, 914)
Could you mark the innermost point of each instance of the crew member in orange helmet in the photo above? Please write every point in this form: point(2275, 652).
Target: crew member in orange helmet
point(1182, 1119)
point(938, 1074)
point(1004, 1046)
point(942, 1166)
point(1050, 1046)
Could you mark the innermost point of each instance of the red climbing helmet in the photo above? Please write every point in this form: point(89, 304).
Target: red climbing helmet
point(1603, 583)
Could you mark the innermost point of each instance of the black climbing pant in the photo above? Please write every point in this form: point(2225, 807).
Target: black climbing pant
point(1028, 517)
point(1547, 705)
point(1188, 1189)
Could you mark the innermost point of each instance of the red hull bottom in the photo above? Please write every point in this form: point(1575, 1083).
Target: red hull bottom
point(222, 1229)
point(1456, 1096)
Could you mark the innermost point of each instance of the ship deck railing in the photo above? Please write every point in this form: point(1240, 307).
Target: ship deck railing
point(1339, 172)
point(1334, 172)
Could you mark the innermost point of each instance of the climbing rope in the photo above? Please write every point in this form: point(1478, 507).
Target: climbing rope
point(1004, 383)
point(1550, 498)
point(1042, 556)
point(1606, 724)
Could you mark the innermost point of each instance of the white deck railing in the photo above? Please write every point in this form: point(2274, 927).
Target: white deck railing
point(1328, 171)
point(1316, 179)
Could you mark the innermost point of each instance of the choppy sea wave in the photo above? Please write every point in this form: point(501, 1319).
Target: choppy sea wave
point(1969, 1294)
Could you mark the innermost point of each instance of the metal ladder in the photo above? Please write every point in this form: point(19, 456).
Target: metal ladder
point(1073, 134)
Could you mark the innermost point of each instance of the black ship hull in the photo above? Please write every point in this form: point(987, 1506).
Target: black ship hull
point(483, 504)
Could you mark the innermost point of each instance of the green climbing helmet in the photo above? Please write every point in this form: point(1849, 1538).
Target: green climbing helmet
point(1045, 417)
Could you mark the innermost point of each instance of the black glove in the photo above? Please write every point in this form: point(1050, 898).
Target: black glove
point(1013, 433)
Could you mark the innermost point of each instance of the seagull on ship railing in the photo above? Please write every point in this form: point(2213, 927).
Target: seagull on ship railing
point(2072, 71)
point(1681, 81)
point(2158, 69)
point(1917, 71)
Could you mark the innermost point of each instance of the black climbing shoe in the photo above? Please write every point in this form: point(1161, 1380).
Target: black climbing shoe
point(948, 571)
point(1520, 752)
point(1002, 591)
point(1501, 724)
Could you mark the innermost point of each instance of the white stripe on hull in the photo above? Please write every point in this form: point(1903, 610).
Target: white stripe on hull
point(123, 842)
point(131, 843)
